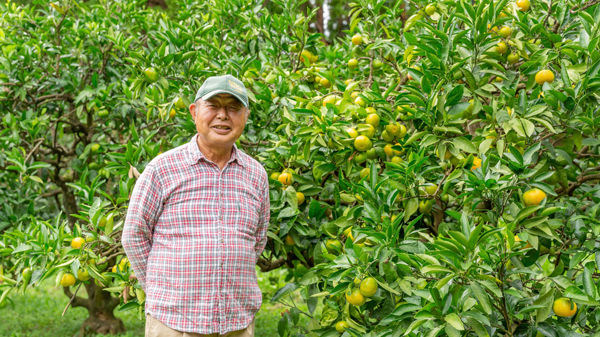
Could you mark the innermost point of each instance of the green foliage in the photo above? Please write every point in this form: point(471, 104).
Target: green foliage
point(468, 257)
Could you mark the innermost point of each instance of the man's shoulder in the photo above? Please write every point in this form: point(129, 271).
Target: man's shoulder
point(174, 157)
point(253, 164)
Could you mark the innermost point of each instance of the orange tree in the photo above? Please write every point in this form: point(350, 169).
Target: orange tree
point(433, 177)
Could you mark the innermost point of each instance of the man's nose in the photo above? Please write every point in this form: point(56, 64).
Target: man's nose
point(222, 113)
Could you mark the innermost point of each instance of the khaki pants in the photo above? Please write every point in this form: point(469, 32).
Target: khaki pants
point(155, 328)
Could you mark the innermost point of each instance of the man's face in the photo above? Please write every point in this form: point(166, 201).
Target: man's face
point(220, 120)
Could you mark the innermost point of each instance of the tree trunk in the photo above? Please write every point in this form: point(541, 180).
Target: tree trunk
point(100, 306)
point(319, 17)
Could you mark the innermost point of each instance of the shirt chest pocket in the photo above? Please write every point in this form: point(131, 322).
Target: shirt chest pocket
point(245, 217)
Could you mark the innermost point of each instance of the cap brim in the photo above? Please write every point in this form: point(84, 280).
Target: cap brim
point(216, 92)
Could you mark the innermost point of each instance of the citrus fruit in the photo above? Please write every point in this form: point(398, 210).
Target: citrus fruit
point(562, 307)
point(179, 103)
point(151, 74)
point(141, 295)
point(533, 197)
point(501, 48)
point(369, 131)
point(341, 326)
point(476, 164)
point(348, 233)
point(362, 143)
point(392, 128)
point(372, 153)
point(425, 206)
point(385, 135)
point(67, 280)
point(352, 132)
point(95, 147)
point(307, 54)
point(354, 297)
point(544, 76)
point(274, 176)
point(289, 240)
point(377, 64)
point(353, 63)
point(325, 82)
point(430, 9)
point(396, 160)
point(83, 275)
point(285, 178)
point(523, 5)
point(360, 158)
point(388, 150)
point(329, 99)
point(331, 244)
point(103, 113)
point(430, 189)
point(513, 58)
point(27, 272)
point(173, 113)
point(357, 40)
point(373, 119)
point(364, 172)
point(401, 131)
point(447, 155)
point(360, 102)
point(300, 197)
point(504, 32)
point(77, 242)
point(368, 287)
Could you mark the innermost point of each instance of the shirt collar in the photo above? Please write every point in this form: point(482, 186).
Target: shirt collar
point(194, 153)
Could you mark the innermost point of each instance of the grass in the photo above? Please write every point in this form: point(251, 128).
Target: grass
point(38, 312)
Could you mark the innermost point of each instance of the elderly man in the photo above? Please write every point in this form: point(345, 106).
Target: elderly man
point(197, 224)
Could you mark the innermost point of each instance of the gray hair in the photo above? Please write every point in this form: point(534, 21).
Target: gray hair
point(200, 100)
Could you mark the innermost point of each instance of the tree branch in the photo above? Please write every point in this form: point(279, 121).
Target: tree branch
point(75, 301)
point(266, 266)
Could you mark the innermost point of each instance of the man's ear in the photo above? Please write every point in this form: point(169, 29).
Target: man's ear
point(193, 110)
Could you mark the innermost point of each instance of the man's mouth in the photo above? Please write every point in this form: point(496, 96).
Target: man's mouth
point(221, 129)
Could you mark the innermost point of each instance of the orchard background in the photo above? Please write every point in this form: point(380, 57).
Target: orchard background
point(434, 166)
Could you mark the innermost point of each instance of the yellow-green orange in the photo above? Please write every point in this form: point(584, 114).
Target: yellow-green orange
point(533, 197)
point(354, 297)
point(368, 287)
point(562, 307)
point(362, 143)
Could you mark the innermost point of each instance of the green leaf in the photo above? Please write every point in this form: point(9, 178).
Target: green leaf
point(433, 269)
point(411, 208)
point(464, 144)
point(455, 321)
point(527, 211)
point(478, 327)
point(482, 297)
point(286, 289)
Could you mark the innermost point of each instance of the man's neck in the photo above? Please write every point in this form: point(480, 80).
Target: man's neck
point(219, 156)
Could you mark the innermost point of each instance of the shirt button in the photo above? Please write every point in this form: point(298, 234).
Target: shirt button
point(221, 264)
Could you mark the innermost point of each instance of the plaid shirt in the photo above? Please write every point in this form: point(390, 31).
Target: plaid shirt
point(193, 235)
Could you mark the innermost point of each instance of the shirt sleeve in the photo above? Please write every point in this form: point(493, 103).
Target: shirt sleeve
point(263, 220)
point(145, 207)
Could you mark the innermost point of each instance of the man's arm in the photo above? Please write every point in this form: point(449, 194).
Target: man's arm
point(145, 207)
point(263, 219)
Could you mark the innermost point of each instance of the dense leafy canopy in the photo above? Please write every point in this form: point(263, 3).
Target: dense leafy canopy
point(441, 172)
